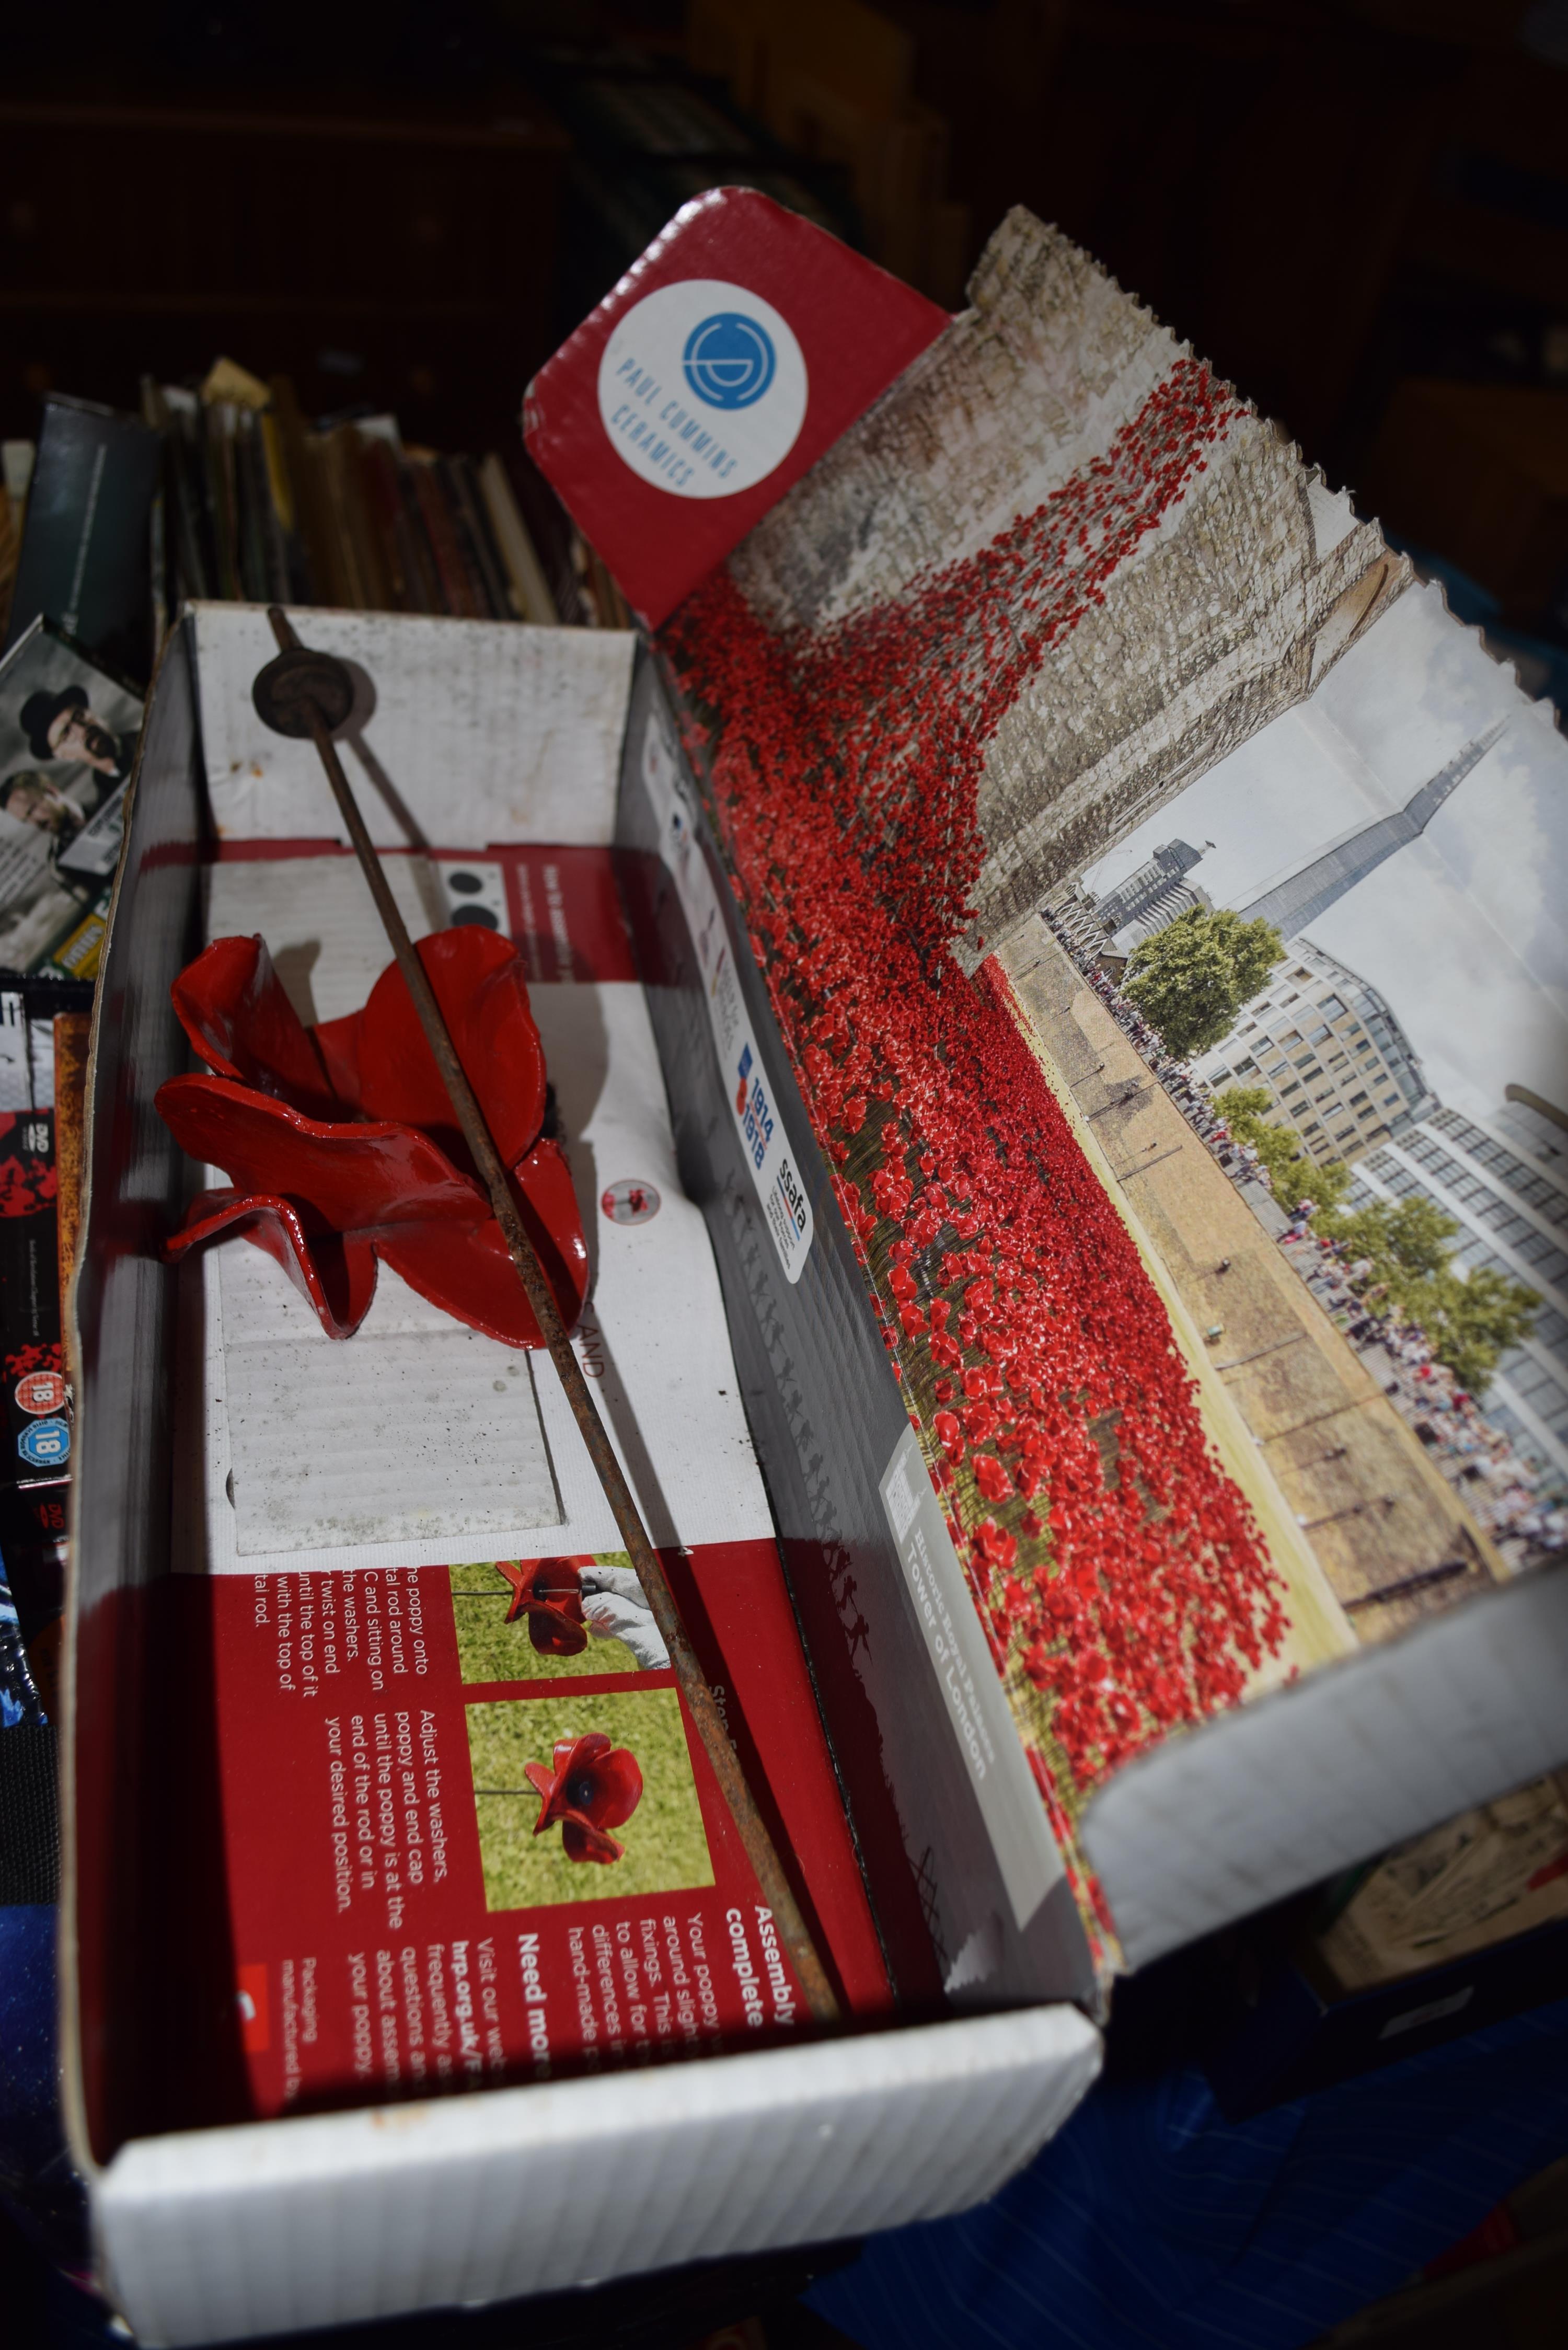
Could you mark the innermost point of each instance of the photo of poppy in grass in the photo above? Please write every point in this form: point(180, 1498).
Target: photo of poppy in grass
point(586, 1798)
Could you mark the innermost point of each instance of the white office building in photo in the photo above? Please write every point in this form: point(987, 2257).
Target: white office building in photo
point(1324, 1044)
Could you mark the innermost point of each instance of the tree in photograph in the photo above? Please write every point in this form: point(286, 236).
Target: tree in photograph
point(1191, 978)
point(1470, 1320)
point(1409, 1242)
point(1292, 1176)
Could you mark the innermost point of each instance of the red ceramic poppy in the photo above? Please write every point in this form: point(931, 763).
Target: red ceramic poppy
point(341, 1145)
point(593, 1786)
point(549, 1593)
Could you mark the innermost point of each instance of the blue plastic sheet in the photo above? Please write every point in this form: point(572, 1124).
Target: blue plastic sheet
point(1151, 2224)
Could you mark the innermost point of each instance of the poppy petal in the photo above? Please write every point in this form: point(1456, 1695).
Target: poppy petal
point(335, 1272)
point(553, 1612)
point(337, 1042)
point(323, 1188)
point(480, 983)
point(233, 1007)
point(582, 1841)
point(350, 1177)
point(560, 1579)
point(554, 1634)
point(467, 1270)
point(619, 1789)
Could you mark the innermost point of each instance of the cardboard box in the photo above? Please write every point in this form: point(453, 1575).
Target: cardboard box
point(1110, 1647)
point(238, 2227)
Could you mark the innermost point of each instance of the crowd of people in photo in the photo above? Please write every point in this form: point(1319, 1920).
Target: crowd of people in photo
point(1505, 1493)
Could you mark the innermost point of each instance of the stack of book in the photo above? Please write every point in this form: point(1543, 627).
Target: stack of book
point(260, 507)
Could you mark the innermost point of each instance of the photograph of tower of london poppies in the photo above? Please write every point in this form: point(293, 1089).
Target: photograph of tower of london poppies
point(1168, 962)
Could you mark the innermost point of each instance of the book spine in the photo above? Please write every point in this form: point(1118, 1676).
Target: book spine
point(217, 503)
point(419, 564)
point(319, 581)
point(197, 502)
point(531, 597)
point(277, 509)
point(160, 531)
point(378, 596)
point(463, 535)
point(455, 591)
point(349, 566)
point(476, 520)
point(377, 472)
point(251, 501)
point(188, 564)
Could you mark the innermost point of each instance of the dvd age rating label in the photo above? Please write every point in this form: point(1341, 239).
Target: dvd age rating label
point(41, 1393)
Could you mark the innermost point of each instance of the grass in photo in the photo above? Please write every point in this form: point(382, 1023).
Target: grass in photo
point(541, 1641)
point(593, 1800)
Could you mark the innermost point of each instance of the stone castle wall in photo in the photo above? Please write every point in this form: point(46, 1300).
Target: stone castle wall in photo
point(1253, 583)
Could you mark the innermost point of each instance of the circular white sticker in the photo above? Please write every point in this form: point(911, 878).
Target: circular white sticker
point(702, 388)
point(630, 1202)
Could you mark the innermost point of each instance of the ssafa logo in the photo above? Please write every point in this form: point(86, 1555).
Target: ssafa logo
point(702, 388)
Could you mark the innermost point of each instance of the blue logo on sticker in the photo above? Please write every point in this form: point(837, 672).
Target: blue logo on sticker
point(728, 359)
point(45, 1444)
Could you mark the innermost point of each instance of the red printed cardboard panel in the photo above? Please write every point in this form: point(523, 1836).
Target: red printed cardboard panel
point(557, 900)
point(737, 349)
point(470, 1834)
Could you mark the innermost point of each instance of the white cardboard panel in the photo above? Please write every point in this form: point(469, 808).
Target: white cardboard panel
point(213, 2235)
point(480, 730)
point(655, 1339)
point(318, 1460)
point(319, 921)
point(1335, 1768)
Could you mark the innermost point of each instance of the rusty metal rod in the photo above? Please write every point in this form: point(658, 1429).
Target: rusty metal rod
point(750, 1824)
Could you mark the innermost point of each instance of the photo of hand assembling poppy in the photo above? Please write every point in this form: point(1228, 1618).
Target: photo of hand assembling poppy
point(584, 1798)
point(549, 1618)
